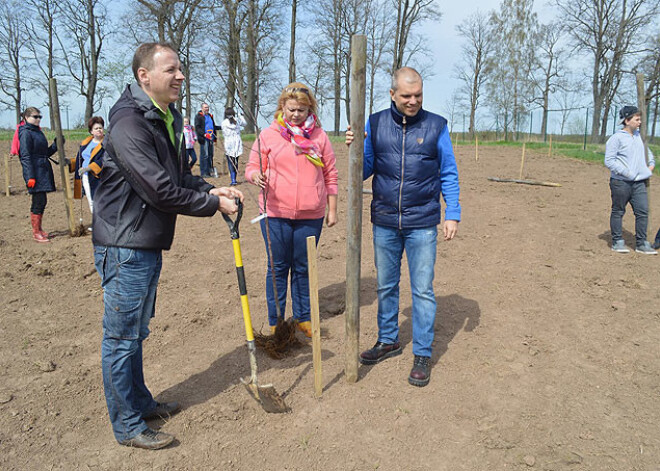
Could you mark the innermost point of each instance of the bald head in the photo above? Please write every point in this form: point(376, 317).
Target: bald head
point(406, 91)
point(407, 75)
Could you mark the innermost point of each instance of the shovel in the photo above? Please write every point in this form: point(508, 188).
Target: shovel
point(265, 394)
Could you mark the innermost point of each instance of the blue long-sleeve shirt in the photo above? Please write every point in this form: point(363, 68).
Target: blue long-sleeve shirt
point(624, 156)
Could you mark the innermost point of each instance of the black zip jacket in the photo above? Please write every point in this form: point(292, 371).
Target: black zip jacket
point(145, 181)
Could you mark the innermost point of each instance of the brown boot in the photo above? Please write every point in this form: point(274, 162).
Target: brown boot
point(37, 233)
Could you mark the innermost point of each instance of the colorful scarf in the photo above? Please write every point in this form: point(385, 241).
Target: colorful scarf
point(299, 137)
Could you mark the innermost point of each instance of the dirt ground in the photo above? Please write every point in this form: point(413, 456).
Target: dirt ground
point(546, 350)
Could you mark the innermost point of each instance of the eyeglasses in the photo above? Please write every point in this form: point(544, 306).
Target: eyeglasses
point(296, 89)
point(36, 116)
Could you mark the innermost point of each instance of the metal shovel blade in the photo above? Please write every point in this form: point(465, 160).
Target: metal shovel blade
point(266, 396)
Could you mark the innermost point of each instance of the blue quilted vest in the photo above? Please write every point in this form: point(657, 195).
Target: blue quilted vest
point(406, 182)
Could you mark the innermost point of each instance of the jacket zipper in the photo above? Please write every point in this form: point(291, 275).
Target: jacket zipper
point(138, 221)
point(403, 163)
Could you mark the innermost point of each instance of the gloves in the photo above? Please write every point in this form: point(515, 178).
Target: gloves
point(31, 182)
point(55, 141)
point(83, 170)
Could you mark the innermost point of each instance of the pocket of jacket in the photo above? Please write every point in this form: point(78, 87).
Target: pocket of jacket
point(311, 198)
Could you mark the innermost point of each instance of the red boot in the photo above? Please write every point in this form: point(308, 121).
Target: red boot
point(37, 233)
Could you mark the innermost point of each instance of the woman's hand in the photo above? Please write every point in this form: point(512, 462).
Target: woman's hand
point(331, 217)
point(259, 179)
point(349, 135)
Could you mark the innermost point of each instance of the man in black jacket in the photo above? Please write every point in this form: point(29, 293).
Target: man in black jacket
point(144, 184)
point(205, 129)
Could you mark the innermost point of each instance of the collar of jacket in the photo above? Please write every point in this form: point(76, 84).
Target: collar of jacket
point(397, 116)
point(32, 127)
point(144, 102)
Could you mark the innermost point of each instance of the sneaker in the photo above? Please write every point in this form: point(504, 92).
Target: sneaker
point(646, 249)
point(420, 375)
point(149, 440)
point(379, 352)
point(620, 246)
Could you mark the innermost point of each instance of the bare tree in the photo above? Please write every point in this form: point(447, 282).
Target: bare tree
point(510, 84)
point(292, 42)
point(409, 13)
point(12, 43)
point(45, 57)
point(475, 63)
point(548, 66)
point(87, 23)
point(608, 30)
point(379, 30)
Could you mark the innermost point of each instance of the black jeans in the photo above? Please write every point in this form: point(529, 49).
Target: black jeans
point(39, 201)
point(624, 192)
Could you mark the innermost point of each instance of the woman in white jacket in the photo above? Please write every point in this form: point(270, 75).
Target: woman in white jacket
point(231, 133)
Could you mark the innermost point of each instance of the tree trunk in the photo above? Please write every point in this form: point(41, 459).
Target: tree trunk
point(292, 48)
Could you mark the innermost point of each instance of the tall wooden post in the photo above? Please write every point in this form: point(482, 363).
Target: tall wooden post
point(641, 105)
point(64, 167)
point(312, 274)
point(354, 223)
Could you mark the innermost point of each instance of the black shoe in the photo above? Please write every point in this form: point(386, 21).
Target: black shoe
point(420, 375)
point(149, 440)
point(380, 352)
point(163, 410)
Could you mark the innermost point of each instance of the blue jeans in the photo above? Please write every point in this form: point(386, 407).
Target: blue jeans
point(624, 192)
point(289, 246)
point(233, 167)
point(129, 278)
point(420, 246)
point(205, 157)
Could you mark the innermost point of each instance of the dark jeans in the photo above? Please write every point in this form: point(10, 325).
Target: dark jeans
point(129, 278)
point(289, 246)
point(233, 167)
point(205, 157)
point(192, 157)
point(624, 192)
point(39, 201)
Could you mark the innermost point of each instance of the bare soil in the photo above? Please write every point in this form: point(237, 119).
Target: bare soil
point(546, 350)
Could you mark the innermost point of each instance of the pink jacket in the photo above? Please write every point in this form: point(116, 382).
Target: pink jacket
point(296, 188)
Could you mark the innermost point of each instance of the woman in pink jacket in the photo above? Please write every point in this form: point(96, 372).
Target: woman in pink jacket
point(294, 165)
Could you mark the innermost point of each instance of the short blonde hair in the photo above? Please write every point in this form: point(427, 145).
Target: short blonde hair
point(299, 92)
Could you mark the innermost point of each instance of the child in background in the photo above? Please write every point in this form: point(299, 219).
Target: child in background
point(191, 137)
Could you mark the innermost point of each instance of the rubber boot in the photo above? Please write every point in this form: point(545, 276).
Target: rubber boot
point(37, 234)
point(43, 233)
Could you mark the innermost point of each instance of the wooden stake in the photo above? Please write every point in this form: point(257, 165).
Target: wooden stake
point(66, 184)
point(550, 148)
point(641, 105)
point(312, 273)
point(7, 176)
point(522, 161)
point(476, 148)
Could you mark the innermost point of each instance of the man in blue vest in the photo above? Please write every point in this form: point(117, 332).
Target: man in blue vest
point(408, 151)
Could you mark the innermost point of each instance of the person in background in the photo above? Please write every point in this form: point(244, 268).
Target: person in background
point(231, 133)
point(294, 164)
point(206, 136)
point(409, 153)
point(629, 176)
point(190, 136)
point(89, 161)
point(34, 154)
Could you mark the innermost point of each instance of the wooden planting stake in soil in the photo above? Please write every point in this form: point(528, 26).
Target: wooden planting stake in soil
point(354, 205)
point(522, 161)
point(550, 148)
point(476, 148)
point(7, 177)
point(524, 182)
point(312, 273)
point(57, 125)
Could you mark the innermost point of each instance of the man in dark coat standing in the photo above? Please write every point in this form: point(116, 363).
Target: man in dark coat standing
point(207, 136)
point(145, 183)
